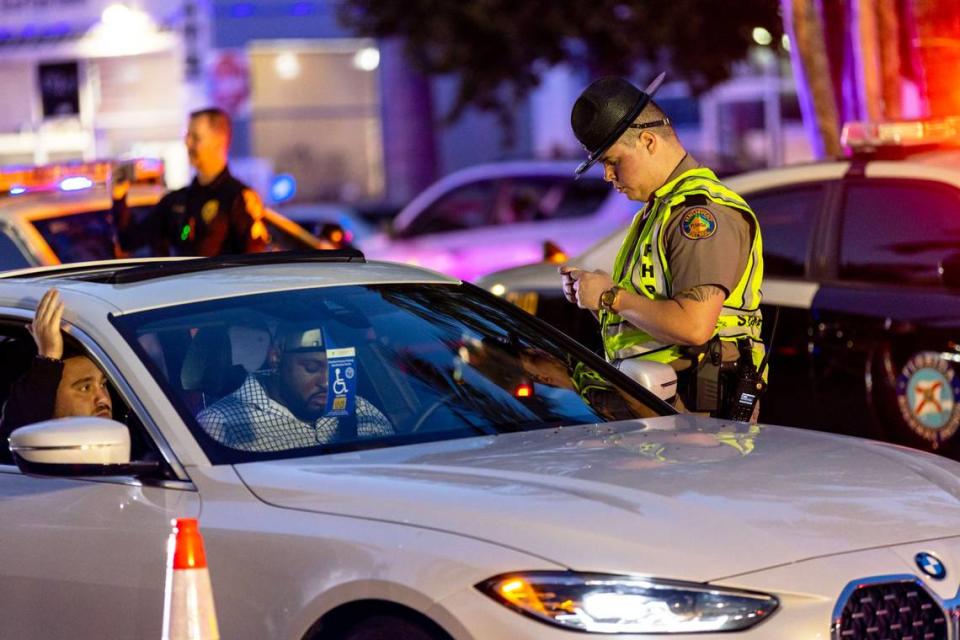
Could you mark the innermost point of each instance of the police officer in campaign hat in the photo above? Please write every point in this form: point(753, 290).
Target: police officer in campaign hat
point(685, 286)
point(215, 214)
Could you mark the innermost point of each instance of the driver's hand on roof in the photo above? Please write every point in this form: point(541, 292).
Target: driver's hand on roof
point(45, 327)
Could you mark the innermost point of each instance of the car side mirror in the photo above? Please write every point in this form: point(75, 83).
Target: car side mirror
point(657, 377)
point(950, 271)
point(82, 446)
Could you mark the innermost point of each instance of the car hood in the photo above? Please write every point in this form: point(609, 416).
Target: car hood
point(679, 496)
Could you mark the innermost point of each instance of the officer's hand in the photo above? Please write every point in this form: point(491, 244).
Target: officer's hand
point(568, 277)
point(589, 286)
point(45, 327)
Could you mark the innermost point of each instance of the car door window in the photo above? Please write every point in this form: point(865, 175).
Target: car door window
point(11, 257)
point(80, 237)
point(17, 349)
point(786, 218)
point(582, 197)
point(898, 232)
point(464, 207)
point(527, 199)
point(541, 198)
point(17, 352)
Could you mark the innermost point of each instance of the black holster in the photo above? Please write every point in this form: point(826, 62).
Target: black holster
point(728, 390)
point(700, 386)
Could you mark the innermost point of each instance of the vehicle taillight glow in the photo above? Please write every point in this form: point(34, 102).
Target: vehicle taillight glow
point(553, 253)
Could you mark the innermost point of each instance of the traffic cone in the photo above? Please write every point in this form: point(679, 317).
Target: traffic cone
point(188, 612)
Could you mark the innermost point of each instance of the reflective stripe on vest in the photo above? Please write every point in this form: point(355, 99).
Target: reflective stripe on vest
point(641, 267)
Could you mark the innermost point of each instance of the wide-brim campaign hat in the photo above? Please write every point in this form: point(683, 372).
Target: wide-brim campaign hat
point(604, 111)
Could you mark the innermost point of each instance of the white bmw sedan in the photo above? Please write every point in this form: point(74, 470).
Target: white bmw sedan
point(377, 451)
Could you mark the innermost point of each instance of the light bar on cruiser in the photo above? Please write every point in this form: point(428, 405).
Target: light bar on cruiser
point(73, 176)
point(870, 135)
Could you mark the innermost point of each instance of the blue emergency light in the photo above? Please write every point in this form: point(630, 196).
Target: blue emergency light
point(283, 187)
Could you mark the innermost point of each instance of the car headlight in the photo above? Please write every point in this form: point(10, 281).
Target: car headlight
point(624, 604)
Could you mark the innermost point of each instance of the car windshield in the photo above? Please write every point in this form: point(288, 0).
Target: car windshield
point(336, 369)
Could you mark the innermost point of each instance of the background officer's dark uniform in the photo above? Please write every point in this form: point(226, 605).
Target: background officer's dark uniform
point(223, 217)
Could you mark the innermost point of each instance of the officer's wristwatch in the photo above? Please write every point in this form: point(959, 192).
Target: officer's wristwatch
point(609, 297)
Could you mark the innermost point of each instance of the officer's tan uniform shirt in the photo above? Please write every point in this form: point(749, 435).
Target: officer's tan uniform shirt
point(719, 259)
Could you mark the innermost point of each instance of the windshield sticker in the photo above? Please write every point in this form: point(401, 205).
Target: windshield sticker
point(341, 381)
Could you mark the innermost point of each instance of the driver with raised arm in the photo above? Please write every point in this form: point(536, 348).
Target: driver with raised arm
point(61, 382)
point(288, 406)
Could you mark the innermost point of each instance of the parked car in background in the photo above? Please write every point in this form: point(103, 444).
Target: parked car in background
point(500, 215)
point(862, 258)
point(516, 486)
point(61, 213)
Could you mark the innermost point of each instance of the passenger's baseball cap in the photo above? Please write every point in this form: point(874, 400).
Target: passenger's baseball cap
point(298, 338)
point(604, 111)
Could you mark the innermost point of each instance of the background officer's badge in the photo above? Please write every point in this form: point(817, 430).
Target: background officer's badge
point(698, 223)
point(210, 210)
point(928, 393)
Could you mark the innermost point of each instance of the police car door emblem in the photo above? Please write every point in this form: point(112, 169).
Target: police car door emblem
point(698, 223)
point(930, 565)
point(928, 394)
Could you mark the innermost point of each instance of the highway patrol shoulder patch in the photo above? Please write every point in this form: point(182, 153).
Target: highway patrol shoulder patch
point(698, 223)
point(928, 393)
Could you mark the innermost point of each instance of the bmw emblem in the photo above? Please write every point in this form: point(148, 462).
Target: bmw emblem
point(930, 565)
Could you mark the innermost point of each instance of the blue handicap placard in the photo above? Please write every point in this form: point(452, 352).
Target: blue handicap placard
point(341, 381)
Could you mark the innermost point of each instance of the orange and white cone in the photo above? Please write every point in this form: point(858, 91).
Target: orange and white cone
point(188, 612)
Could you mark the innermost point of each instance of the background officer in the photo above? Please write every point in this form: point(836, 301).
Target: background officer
point(215, 214)
point(685, 288)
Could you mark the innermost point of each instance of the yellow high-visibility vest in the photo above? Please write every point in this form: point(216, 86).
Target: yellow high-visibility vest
point(641, 267)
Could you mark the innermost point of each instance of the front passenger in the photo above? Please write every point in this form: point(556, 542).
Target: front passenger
point(286, 407)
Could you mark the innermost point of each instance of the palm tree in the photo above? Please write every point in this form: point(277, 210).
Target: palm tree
point(803, 25)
